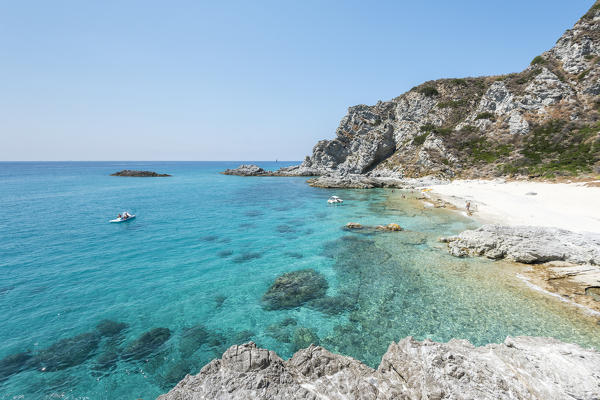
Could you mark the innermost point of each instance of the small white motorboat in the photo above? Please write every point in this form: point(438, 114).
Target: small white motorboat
point(123, 218)
point(335, 200)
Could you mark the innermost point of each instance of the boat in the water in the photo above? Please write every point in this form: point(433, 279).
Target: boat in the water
point(123, 218)
point(335, 200)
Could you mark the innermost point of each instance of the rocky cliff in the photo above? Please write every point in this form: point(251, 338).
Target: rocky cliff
point(519, 368)
point(541, 122)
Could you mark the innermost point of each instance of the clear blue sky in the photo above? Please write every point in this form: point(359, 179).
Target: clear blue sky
point(237, 80)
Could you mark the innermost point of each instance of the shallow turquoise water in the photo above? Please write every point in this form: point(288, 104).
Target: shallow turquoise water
point(202, 252)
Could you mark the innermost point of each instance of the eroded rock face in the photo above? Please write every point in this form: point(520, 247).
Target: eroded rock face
point(527, 244)
point(138, 174)
point(519, 368)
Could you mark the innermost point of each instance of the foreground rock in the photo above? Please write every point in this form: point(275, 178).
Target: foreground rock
point(527, 244)
point(520, 368)
point(138, 174)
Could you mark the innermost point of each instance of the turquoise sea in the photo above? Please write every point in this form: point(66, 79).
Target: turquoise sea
point(93, 310)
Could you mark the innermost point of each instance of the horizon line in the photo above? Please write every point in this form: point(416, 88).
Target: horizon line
point(26, 161)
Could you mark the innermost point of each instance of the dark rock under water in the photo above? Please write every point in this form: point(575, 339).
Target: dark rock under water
point(293, 289)
point(13, 364)
point(67, 352)
point(108, 327)
point(194, 337)
point(147, 343)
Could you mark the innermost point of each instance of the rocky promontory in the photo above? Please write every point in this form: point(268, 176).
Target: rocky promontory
point(520, 368)
point(255, 170)
point(138, 174)
point(542, 122)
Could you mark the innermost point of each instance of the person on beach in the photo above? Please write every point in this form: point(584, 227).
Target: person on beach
point(468, 207)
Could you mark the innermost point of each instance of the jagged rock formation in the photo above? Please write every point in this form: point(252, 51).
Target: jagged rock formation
point(520, 368)
point(246, 170)
point(255, 170)
point(526, 244)
point(138, 174)
point(541, 122)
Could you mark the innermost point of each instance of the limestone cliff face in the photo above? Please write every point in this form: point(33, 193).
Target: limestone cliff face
point(542, 121)
point(520, 368)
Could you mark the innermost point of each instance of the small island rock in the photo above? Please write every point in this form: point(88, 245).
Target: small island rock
point(138, 174)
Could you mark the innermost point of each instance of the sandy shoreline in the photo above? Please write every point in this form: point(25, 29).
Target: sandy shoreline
point(570, 206)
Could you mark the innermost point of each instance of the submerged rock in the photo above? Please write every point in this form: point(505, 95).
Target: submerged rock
point(527, 244)
point(245, 257)
point(225, 253)
point(194, 337)
point(243, 336)
point(107, 327)
point(106, 361)
point(67, 352)
point(520, 368)
point(177, 372)
point(138, 174)
point(13, 364)
point(147, 343)
point(333, 305)
point(283, 330)
point(294, 289)
point(219, 300)
point(304, 337)
point(210, 238)
point(285, 228)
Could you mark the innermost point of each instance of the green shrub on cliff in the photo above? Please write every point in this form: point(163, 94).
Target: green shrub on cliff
point(538, 60)
point(429, 91)
point(485, 115)
point(557, 147)
point(420, 139)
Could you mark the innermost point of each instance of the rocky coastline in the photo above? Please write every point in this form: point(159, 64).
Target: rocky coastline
point(519, 368)
point(139, 174)
point(540, 123)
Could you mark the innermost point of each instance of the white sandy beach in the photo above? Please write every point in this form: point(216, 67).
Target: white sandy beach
point(571, 206)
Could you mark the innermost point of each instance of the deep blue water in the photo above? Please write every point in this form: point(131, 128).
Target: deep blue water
point(197, 260)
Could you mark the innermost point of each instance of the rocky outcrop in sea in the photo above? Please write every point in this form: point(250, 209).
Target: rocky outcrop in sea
point(519, 368)
point(255, 170)
point(138, 174)
point(540, 122)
